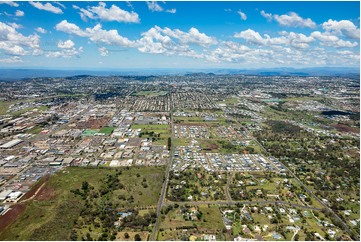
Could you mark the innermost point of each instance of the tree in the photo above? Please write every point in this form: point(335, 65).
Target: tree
point(137, 237)
point(85, 186)
point(169, 143)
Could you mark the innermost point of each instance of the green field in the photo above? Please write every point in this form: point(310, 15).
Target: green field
point(89, 132)
point(106, 130)
point(150, 93)
point(65, 210)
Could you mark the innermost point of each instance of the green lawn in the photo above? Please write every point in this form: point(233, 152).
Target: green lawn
point(89, 132)
point(106, 130)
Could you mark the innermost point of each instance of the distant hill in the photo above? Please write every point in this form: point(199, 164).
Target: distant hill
point(16, 74)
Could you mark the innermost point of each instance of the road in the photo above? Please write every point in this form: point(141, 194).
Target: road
point(229, 198)
point(245, 203)
point(165, 184)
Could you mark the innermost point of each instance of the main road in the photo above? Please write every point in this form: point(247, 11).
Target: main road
point(165, 184)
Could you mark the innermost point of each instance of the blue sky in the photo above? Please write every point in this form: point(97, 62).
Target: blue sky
point(106, 35)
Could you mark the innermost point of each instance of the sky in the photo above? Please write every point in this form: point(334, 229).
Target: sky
point(242, 34)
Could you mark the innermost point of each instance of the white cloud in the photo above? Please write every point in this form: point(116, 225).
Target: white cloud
point(67, 50)
point(327, 39)
point(66, 44)
point(268, 16)
point(291, 19)
point(40, 30)
point(70, 28)
point(60, 4)
point(15, 25)
point(114, 13)
point(19, 13)
point(243, 15)
point(193, 36)
point(291, 39)
point(154, 7)
point(173, 42)
point(343, 27)
point(103, 51)
point(324, 37)
point(173, 10)
point(10, 3)
point(13, 59)
point(14, 43)
point(251, 36)
point(47, 7)
point(95, 34)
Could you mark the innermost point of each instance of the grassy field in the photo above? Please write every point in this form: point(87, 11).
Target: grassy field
point(159, 132)
point(55, 213)
point(106, 130)
point(143, 195)
point(35, 130)
point(171, 226)
point(150, 93)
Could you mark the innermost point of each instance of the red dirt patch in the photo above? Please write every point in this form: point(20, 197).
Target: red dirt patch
point(346, 129)
point(10, 216)
point(35, 188)
point(45, 194)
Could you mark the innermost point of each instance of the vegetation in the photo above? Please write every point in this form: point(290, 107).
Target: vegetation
point(83, 203)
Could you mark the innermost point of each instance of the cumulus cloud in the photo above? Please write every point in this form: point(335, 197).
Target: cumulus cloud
point(250, 36)
point(14, 43)
point(95, 34)
point(66, 50)
point(343, 27)
point(291, 39)
point(193, 36)
point(47, 7)
point(242, 14)
point(68, 44)
point(114, 13)
point(10, 3)
point(291, 19)
point(40, 30)
point(173, 42)
point(268, 16)
point(19, 13)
